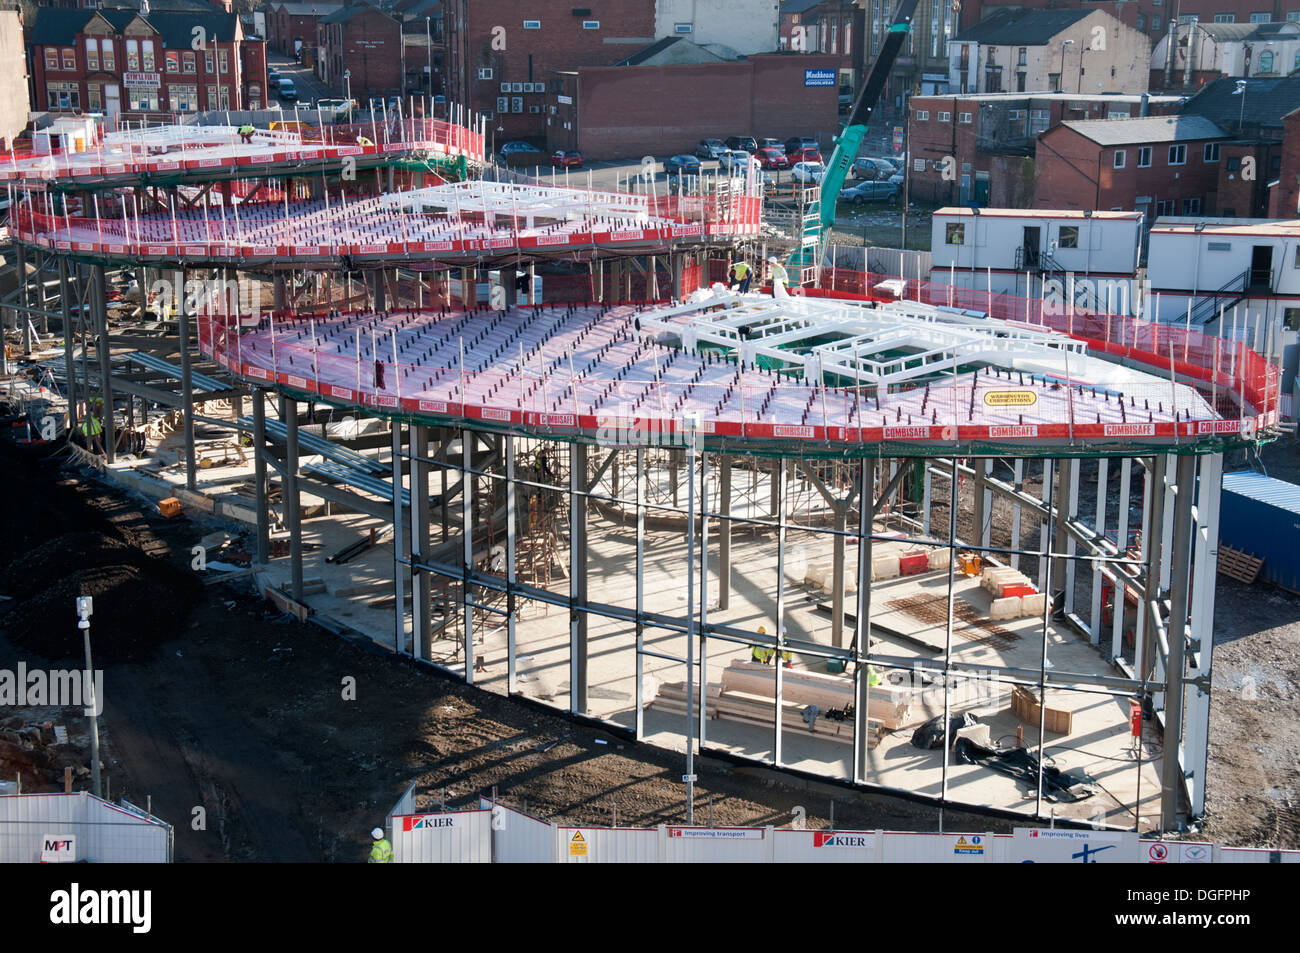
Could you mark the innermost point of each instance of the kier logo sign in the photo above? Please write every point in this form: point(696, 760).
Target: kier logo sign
point(833, 839)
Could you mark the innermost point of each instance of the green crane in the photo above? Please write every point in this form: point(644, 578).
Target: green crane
point(849, 142)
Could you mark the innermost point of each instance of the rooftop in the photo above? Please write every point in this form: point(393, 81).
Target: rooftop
point(1022, 27)
point(1041, 213)
point(1272, 227)
point(1267, 100)
point(1119, 132)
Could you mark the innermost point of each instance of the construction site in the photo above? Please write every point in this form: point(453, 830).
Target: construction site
point(896, 537)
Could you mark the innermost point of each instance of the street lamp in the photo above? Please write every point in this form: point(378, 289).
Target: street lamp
point(347, 84)
point(1240, 90)
point(1060, 76)
point(85, 606)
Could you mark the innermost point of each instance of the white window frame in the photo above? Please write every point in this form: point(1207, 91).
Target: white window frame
point(532, 24)
point(945, 116)
point(1179, 149)
point(923, 115)
point(1210, 153)
point(1120, 160)
point(964, 117)
point(1148, 152)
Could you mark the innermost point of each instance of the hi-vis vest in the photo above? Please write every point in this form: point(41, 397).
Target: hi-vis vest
point(742, 269)
point(381, 852)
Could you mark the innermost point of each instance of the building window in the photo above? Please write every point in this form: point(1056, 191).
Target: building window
point(591, 24)
point(1144, 157)
point(208, 65)
point(110, 66)
point(955, 234)
point(1261, 17)
point(1225, 18)
point(1218, 246)
point(1121, 156)
point(188, 62)
point(945, 117)
point(147, 47)
point(173, 60)
point(1294, 16)
point(94, 97)
point(965, 117)
point(70, 59)
point(132, 56)
point(683, 27)
point(212, 97)
point(92, 54)
point(1211, 152)
point(63, 95)
point(923, 115)
point(918, 165)
point(1054, 82)
point(1118, 114)
point(1192, 206)
point(183, 99)
point(1178, 155)
point(142, 99)
point(1024, 57)
point(51, 58)
point(1068, 237)
point(1164, 207)
point(223, 63)
point(1266, 62)
point(1155, 23)
point(532, 24)
point(1141, 21)
point(254, 96)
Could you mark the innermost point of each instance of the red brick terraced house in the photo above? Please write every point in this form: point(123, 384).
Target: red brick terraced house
point(131, 66)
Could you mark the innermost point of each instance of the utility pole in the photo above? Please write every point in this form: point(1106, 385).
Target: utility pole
point(85, 606)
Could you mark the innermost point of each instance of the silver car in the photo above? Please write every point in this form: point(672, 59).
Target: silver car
point(863, 192)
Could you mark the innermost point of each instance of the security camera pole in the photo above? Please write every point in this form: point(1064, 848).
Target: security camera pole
point(692, 425)
point(85, 606)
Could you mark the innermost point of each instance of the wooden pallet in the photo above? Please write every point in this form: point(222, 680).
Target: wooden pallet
point(1238, 564)
point(1025, 706)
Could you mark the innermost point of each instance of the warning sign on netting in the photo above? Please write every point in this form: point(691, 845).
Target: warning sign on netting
point(1010, 398)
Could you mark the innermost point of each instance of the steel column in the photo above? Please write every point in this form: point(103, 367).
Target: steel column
point(399, 565)
point(259, 477)
point(1180, 575)
point(578, 578)
point(421, 603)
point(187, 381)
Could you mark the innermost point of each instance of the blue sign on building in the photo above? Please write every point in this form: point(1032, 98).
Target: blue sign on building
point(819, 77)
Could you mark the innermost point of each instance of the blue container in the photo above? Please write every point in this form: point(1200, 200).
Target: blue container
point(1261, 516)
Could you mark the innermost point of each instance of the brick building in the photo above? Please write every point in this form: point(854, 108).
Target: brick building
point(835, 27)
point(1284, 192)
point(424, 45)
point(291, 26)
point(1080, 51)
point(1158, 165)
point(365, 42)
point(628, 111)
point(132, 66)
point(992, 140)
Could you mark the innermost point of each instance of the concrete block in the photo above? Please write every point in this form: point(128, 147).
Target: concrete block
point(1008, 608)
point(1033, 605)
point(884, 567)
point(939, 558)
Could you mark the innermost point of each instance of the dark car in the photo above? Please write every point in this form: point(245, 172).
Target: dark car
point(863, 192)
point(288, 91)
point(796, 143)
point(567, 159)
point(770, 142)
point(770, 157)
point(745, 143)
point(272, 79)
point(682, 164)
point(518, 152)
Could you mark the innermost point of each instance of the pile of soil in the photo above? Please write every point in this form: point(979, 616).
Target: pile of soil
point(134, 611)
point(50, 562)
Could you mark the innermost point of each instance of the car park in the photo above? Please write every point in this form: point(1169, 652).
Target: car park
point(746, 143)
point(770, 157)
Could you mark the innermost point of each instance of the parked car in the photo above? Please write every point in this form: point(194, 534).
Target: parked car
point(709, 148)
point(743, 142)
point(272, 79)
point(806, 154)
point(567, 159)
point(288, 91)
point(769, 157)
point(770, 143)
point(808, 173)
point(517, 152)
point(682, 164)
point(872, 170)
point(863, 192)
point(796, 143)
point(734, 160)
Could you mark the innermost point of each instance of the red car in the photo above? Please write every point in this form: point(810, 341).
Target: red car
point(772, 158)
point(567, 160)
point(806, 154)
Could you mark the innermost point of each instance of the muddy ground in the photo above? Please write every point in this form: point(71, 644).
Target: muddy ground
point(243, 715)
